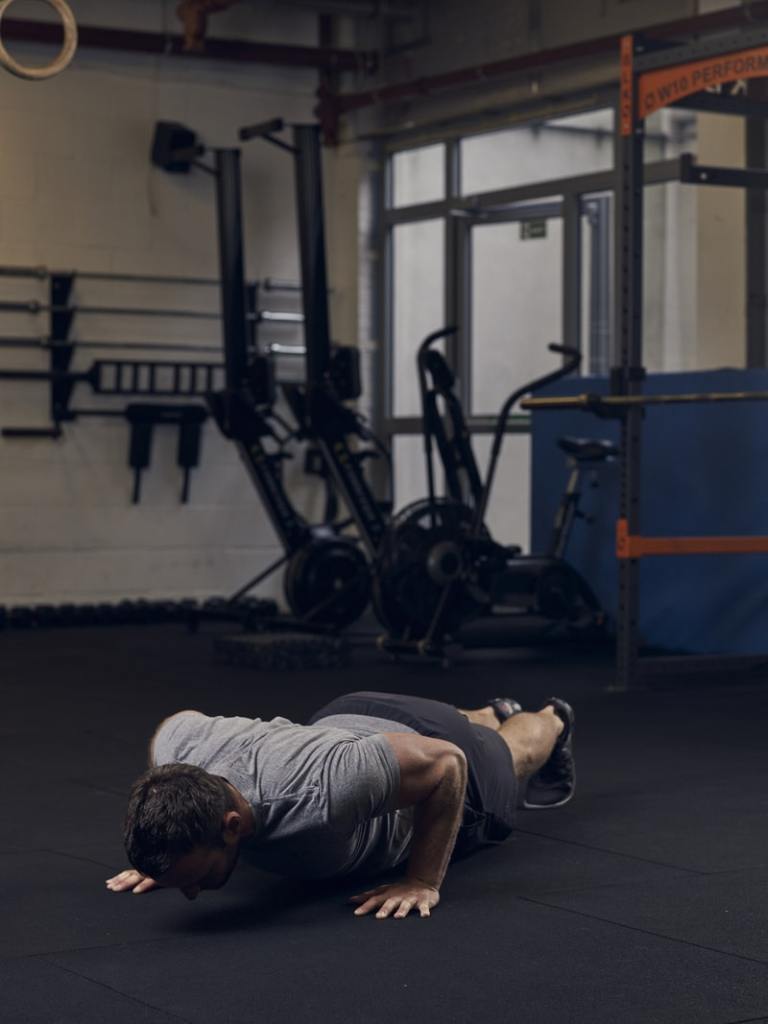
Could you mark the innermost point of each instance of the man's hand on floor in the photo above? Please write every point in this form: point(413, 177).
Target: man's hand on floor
point(131, 879)
point(400, 897)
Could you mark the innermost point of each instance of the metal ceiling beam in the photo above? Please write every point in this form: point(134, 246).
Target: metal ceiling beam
point(332, 107)
point(236, 50)
point(362, 9)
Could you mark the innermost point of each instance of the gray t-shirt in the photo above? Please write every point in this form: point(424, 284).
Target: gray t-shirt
point(323, 795)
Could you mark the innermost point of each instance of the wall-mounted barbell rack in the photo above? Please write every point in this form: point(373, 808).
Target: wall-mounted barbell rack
point(126, 377)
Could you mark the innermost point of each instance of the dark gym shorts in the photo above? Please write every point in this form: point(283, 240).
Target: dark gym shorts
point(491, 799)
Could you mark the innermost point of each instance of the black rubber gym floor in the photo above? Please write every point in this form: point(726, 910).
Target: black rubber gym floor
point(645, 900)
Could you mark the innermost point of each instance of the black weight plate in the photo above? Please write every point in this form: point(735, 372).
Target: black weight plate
point(327, 582)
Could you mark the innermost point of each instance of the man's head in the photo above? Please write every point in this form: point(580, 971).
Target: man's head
point(183, 827)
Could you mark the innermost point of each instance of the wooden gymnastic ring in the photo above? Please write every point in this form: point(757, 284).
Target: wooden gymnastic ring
point(65, 56)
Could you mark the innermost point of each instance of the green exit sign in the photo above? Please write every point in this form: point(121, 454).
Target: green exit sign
point(533, 229)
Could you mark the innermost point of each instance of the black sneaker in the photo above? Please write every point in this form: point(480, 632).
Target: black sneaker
point(504, 707)
point(554, 783)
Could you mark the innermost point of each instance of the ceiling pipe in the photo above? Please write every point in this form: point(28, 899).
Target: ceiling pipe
point(234, 50)
point(361, 9)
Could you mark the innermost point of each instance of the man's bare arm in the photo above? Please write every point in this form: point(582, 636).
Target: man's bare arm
point(433, 780)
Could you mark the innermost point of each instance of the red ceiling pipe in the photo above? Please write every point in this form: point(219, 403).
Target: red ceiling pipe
point(215, 49)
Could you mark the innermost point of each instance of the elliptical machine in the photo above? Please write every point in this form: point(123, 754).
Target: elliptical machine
point(439, 568)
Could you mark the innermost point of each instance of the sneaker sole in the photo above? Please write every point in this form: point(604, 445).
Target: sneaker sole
point(547, 807)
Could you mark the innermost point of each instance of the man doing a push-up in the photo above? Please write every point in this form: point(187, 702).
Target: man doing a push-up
point(371, 782)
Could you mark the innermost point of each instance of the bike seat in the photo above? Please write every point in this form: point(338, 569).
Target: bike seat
point(588, 449)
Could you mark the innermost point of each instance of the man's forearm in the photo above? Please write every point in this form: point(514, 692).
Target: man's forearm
point(436, 824)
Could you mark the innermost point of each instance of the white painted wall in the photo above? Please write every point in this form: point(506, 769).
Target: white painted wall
point(77, 191)
point(721, 265)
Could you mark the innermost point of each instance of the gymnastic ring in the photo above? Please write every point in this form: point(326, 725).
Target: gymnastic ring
point(65, 56)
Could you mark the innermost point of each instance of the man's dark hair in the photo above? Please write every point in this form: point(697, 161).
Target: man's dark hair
point(171, 810)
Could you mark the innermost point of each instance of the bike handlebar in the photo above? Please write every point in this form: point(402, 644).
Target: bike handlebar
point(261, 129)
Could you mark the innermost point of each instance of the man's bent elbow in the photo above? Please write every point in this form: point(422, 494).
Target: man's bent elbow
point(455, 752)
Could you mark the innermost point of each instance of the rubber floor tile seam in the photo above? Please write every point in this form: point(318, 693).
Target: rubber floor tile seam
point(121, 994)
point(613, 853)
point(645, 931)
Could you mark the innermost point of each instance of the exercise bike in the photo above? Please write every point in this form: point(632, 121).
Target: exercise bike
point(439, 568)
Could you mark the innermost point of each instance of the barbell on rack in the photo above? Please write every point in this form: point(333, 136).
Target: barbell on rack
point(33, 307)
point(46, 344)
point(608, 404)
point(42, 273)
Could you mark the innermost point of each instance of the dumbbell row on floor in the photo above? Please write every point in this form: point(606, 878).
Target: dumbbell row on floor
point(188, 610)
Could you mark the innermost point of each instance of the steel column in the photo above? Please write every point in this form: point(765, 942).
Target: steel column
point(571, 330)
point(231, 264)
point(314, 280)
point(627, 375)
point(757, 231)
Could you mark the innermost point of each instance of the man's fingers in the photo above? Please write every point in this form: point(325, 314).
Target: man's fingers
point(145, 885)
point(388, 907)
point(121, 884)
point(367, 907)
point(131, 879)
point(122, 877)
point(405, 908)
point(396, 900)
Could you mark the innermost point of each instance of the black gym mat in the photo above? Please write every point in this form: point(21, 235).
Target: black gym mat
point(642, 901)
point(37, 992)
point(724, 912)
point(481, 957)
point(704, 828)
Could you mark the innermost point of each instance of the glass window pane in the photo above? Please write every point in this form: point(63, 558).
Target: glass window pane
point(418, 175)
point(509, 512)
point(410, 470)
point(417, 304)
point(516, 303)
point(559, 148)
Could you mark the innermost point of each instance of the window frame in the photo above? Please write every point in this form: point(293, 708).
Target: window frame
point(456, 208)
